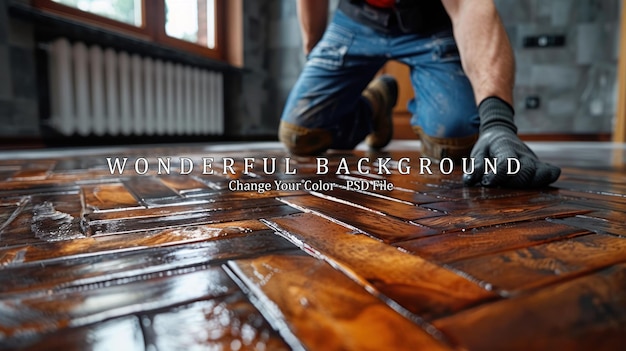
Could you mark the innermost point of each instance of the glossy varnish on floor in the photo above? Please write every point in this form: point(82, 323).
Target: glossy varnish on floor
point(94, 260)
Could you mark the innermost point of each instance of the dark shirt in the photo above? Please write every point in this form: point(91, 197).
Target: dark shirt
point(404, 16)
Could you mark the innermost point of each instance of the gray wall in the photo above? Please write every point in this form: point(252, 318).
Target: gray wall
point(18, 91)
point(273, 54)
point(577, 82)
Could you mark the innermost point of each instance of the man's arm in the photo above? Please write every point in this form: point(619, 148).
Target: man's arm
point(487, 58)
point(486, 53)
point(313, 17)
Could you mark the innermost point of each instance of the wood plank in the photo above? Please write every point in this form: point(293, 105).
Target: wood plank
point(595, 198)
point(225, 195)
point(6, 174)
point(383, 227)
point(392, 208)
point(140, 224)
point(214, 181)
point(223, 323)
point(588, 313)
point(84, 176)
point(46, 218)
point(88, 304)
point(182, 208)
point(120, 333)
point(151, 191)
point(497, 215)
point(324, 309)
point(540, 265)
point(599, 204)
point(606, 189)
point(104, 197)
point(8, 212)
point(595, 224)
point(51, 275)
point(399, 194)
point(183, 184)
point(466, 205)
point(450, 247)
point(34, 170)
point(92, 246)
point(23, 188)
point(594, 175)
point(421, 287)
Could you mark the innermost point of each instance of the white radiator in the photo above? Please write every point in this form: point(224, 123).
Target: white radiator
point(100, 91)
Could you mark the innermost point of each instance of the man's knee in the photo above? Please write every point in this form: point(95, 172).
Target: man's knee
point(304, 141)
point(438, 147)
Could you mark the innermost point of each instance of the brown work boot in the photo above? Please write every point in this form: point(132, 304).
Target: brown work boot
point(437, 148)
point(382, 93)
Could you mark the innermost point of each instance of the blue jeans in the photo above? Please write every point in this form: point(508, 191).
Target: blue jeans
point(327, 94)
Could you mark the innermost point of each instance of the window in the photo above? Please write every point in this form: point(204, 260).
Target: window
point(190, 25)
point(191, 20)
point(127, 11)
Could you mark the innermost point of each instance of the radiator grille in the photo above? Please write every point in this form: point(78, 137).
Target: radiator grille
point(98, 91)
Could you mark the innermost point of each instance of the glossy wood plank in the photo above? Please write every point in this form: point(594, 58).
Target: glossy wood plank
point(93, 246)
point(46, 218)
point(588, 313)
point(450, 247)
point(225, 195)
point(225, 323)
point(32, 171)
point(137, 224)
point(547, 263)
point(392, 208)
point(423, 288)
point(479, 193)
point(399, 194)
point(496, 215)
point(23, 188)
point(610, 189)
point(151, 191)
point(182, 183)
point(181, 208)
point(8, 211)
point(80, 255)
point(46, 276)
point(318, 307)
point(108, 197)
point(595, 224)
point(6, 174)
point(385, 228)
point(121, 333)
point(466, 205)
point(593, 175)
point(214, 181)
point(83, 176)
point(87, 304)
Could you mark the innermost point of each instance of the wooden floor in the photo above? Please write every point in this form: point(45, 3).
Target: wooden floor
point(94, 260)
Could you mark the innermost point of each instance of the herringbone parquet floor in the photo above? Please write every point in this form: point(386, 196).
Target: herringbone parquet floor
point(95, 260)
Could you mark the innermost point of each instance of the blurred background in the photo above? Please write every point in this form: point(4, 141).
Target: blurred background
point(92, 72)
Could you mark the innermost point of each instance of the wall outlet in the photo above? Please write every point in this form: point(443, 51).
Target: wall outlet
point(544, 41)
point(533, 102)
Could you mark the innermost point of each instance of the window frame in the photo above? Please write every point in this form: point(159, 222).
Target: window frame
point(152, 28)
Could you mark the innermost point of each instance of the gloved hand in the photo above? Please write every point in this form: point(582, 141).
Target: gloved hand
point(498, 139)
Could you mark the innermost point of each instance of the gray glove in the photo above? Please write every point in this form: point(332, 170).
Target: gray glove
point(498, 139)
